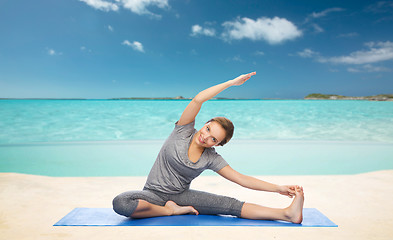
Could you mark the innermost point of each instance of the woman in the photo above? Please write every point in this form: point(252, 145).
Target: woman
point(185, 155)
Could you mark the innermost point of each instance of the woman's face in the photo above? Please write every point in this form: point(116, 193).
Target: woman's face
point(210, 135)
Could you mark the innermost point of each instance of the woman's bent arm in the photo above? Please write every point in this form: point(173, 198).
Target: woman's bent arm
point(194, 106)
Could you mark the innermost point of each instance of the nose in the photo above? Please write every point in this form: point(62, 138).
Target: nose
point(205, 135)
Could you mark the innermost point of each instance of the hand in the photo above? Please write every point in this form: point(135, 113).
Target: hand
point(288, 190)
point(242, 79)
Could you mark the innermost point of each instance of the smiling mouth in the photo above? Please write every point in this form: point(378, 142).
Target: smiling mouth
point(201, 139)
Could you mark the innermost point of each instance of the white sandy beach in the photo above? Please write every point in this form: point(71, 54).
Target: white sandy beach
point(360, 204)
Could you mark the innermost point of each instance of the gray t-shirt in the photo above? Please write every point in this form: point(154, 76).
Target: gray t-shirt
point(173, 171)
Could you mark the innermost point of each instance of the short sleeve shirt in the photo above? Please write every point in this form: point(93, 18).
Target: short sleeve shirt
point(173, 171)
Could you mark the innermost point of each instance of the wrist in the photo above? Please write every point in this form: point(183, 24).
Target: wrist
point(230, 83)
point(277, 188)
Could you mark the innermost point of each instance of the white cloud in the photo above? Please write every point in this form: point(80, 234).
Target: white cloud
point(325, 12)
point(380, 7)
point(377, 52)
point(198, 30)
point(362, 60)
point(273, 30)
point(139, 7)
point(259, 53)
point(234, 59)
point(317, 28)
point(102, 5)
point(316, 15)
point(84, 49)
point(307, 53)
point(368, 68)
point(110, 28)
point(137, 46)
point(52, 52)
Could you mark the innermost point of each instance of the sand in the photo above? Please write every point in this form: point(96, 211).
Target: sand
point(360, 204)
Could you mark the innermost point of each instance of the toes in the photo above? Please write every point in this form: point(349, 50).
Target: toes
point(194, 211)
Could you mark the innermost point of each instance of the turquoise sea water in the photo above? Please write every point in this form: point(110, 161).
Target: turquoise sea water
point(117, 138)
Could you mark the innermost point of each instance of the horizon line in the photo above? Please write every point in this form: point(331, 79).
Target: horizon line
point(149, 98)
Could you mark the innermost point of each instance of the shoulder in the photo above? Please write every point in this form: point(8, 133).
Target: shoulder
point(215, 160)
point(185, 129)
point(211, 151)
point(212, 154)
point(182, 131)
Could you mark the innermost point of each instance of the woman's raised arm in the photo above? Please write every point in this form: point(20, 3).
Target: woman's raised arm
point(194, 106)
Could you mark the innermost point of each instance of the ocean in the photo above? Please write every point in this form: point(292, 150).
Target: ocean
point(122, 137)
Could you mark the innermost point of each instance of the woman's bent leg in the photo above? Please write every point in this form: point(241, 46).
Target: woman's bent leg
point(127, 203)
point(146, 209)
point(144, 204)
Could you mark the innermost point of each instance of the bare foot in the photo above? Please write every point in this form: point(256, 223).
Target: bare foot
point(178, 210)
point(294, 212)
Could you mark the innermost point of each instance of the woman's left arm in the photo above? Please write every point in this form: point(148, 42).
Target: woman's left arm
point(195, 105)
point(254, 183)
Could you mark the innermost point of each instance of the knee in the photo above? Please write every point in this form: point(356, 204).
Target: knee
point(124, 205)
point(118, 204)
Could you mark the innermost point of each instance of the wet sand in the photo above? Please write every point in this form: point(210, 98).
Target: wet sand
point(360, 204)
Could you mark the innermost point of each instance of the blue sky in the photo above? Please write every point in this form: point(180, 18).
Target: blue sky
point(167, 48)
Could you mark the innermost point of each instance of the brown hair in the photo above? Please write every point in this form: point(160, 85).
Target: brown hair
point(227, 125)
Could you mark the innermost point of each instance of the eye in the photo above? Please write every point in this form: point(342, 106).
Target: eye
point(208, 129)
point(214, 140)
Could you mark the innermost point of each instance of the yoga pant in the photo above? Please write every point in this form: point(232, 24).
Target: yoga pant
point(205, 203)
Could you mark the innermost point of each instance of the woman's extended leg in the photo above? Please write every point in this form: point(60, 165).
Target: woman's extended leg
point(293, 213)
point(208, 203)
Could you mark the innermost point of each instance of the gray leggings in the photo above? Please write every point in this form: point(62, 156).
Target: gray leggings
point(205, 203)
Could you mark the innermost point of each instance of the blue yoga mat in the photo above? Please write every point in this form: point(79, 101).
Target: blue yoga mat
point(107, 217)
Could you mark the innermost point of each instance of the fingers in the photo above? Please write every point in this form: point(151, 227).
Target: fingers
point(294, 189)
point(242, 78)
point(288, 191)
point(299, 189)
point(249, 75)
